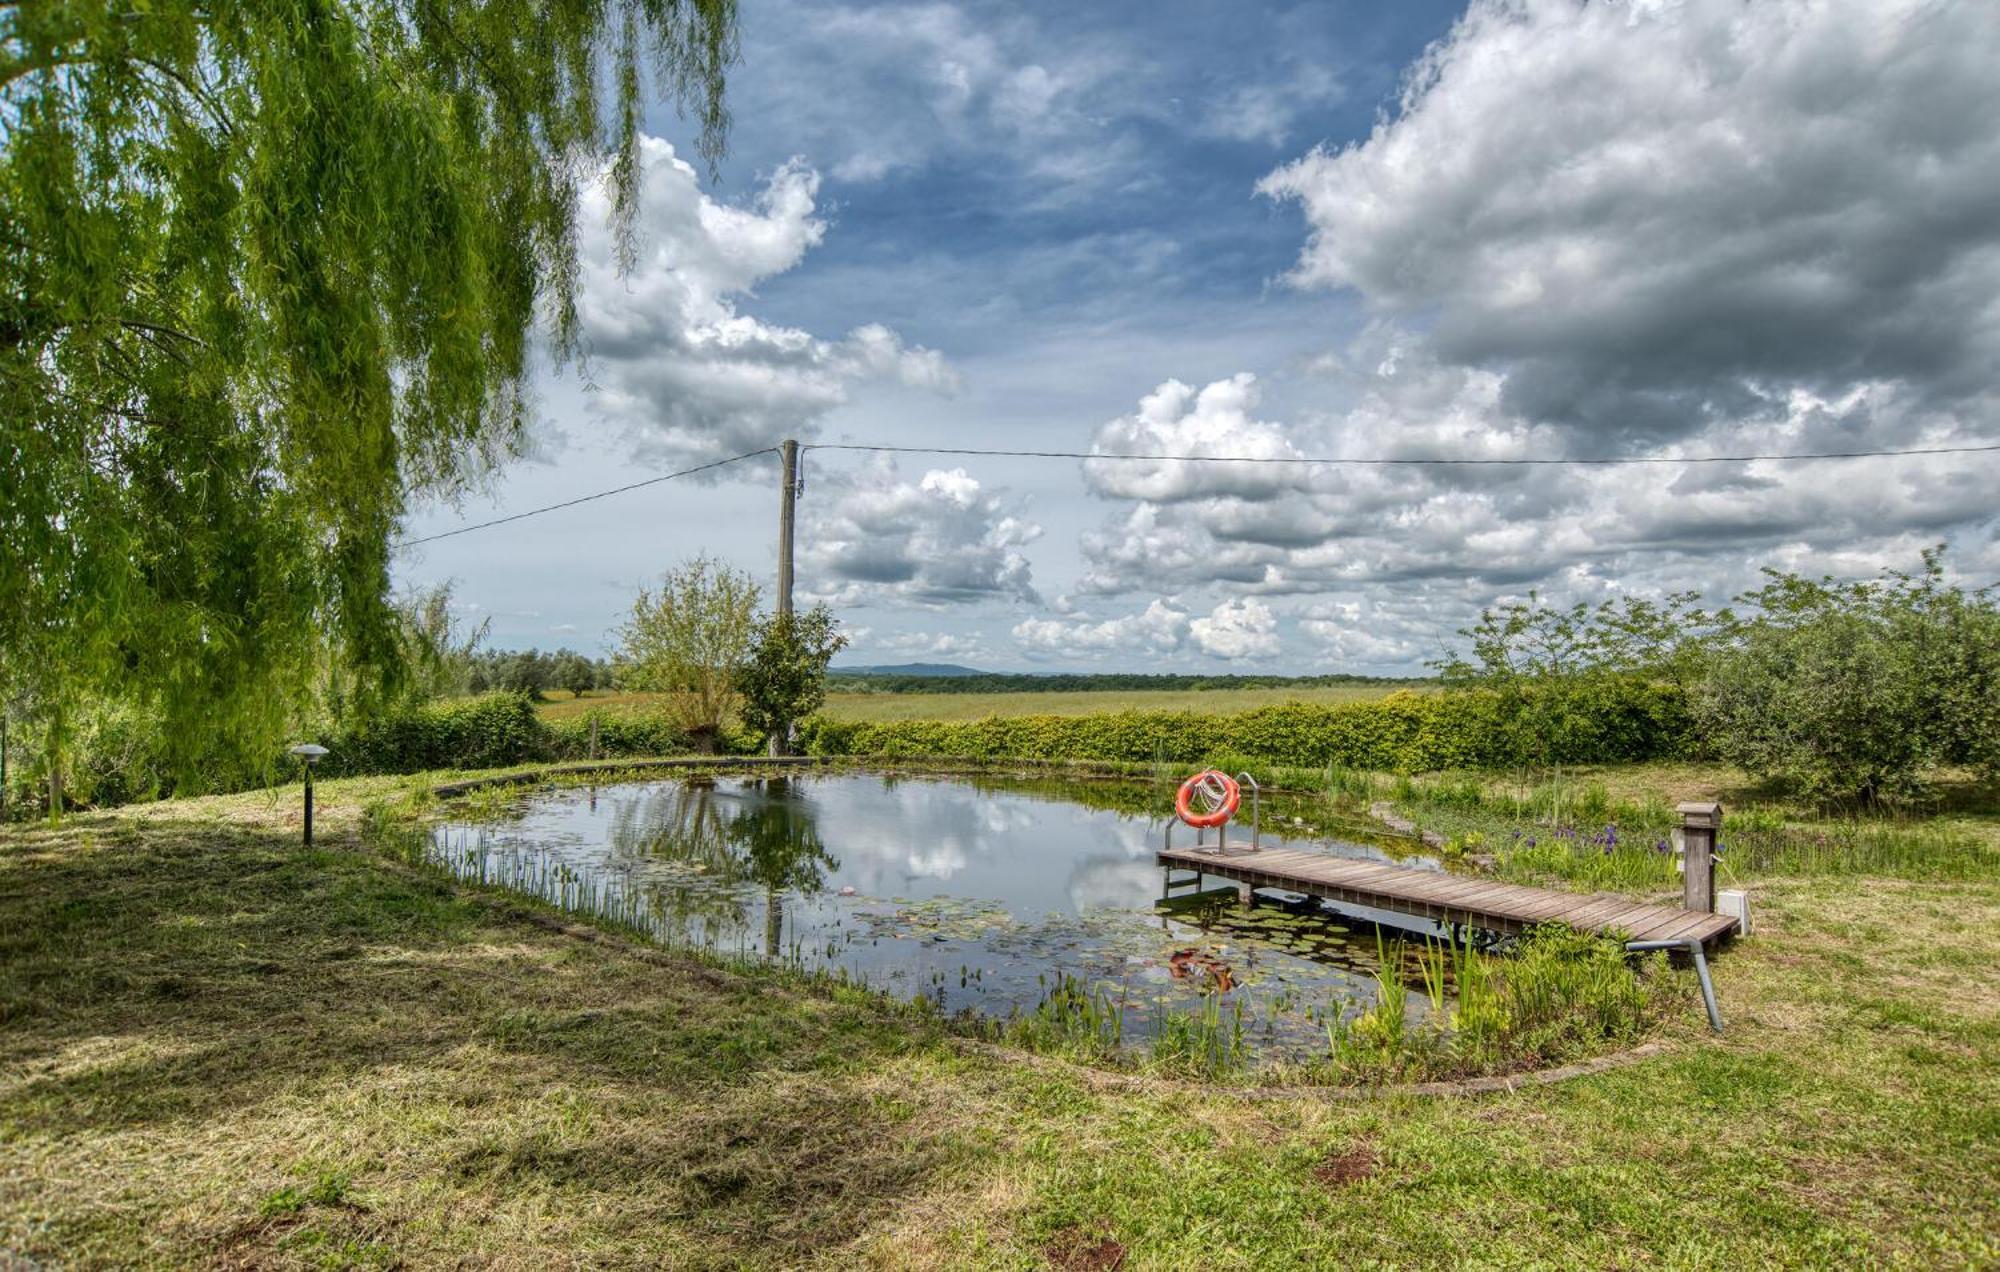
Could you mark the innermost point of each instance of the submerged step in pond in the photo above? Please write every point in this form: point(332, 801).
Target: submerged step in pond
point(979, 896)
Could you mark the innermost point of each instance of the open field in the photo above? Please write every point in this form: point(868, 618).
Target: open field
point(973, 706)
point(220, 1048)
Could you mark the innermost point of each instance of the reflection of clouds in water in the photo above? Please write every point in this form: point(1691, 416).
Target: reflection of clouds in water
point(1137, 837)
point(1104, 882)
point(997, 817)
point(937, 863)
point(903, 830)
point(920, 829)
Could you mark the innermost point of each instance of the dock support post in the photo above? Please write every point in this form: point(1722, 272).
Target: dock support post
point(1700, 824)
point(1694, 951)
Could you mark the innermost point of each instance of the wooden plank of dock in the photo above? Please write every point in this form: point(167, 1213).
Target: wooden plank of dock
point(1449, 898)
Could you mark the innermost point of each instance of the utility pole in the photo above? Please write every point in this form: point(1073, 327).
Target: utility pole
point(787, 510)
point(788, 498)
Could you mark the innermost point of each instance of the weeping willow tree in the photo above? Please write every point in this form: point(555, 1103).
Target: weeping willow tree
point(269, 271)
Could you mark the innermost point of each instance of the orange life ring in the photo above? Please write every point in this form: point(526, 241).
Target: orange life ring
point(1220, 792)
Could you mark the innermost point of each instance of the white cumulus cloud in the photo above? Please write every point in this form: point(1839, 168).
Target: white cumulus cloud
point(1659, 217)
point(873, 537)
point(673, 358)
point(1240, 628)
point(1160, 628)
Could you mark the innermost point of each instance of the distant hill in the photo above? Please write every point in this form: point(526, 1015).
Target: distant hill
point(907, 669)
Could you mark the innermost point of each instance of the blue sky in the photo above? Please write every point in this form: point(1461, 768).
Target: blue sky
point(1354, 229)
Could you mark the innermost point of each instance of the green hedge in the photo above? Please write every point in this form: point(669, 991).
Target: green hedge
point(500, 729)
point(1404, 732)
point(491, 731)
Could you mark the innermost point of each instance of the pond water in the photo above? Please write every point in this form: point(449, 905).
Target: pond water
point(978, 895)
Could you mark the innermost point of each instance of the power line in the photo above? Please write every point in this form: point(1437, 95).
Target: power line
point(1385, 462)
point(1358, 462)
point(583, 499)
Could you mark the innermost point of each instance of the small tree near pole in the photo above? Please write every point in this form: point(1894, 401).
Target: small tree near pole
point(785, 678)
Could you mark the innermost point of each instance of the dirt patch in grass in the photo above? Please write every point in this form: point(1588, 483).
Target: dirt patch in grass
point(1349, 1166)
point(1084, 1249)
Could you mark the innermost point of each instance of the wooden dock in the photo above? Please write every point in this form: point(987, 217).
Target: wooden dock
point(1449, 898)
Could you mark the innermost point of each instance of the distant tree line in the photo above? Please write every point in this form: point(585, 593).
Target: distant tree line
point(535, 672)
point(1028, 682)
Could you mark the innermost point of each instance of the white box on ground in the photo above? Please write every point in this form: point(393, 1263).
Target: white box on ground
point(1735, 903)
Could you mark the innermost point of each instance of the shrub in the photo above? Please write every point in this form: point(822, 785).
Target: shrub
point(618, 734)
point(784, 678)
point(1861, 690)
point(490, 731)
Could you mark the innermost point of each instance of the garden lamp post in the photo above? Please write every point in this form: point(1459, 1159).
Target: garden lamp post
point(310, 754)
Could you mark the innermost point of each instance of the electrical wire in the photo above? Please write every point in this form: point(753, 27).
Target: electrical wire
point(1387, 461)
point(583, 499)
point(1358, 462)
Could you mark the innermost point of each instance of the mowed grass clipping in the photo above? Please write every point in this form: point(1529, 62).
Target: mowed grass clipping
point(219, 1048)
point(978, 706)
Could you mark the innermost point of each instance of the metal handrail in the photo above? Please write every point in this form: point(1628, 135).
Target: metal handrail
point(1256, 820)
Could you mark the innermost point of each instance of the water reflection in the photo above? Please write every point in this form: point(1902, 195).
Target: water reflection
point(759, 835)
point(973, 894)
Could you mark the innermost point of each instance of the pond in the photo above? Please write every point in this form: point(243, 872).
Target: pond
point(978, 895)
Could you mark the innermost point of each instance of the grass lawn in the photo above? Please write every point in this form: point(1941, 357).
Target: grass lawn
point(973, 706)
point(218, 1048)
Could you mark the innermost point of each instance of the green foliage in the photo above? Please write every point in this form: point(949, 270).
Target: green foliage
point(1858, 691)
point(1548, 670)
point(785, 677)
point(1204, 1042)
point(617, 735)
point(534, 672)
point(1073, 1019)
point(438, 655)
point(1625, 719)
point(266, 273)
point(691, 641)
point(1559, 993)
point(328, 1188)
point(485, 732)
point(1843, 691)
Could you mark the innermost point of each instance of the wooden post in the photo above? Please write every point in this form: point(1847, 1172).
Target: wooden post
point(781, 738)
point(786, 505)
point(55, 741)
point(1700, 825)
